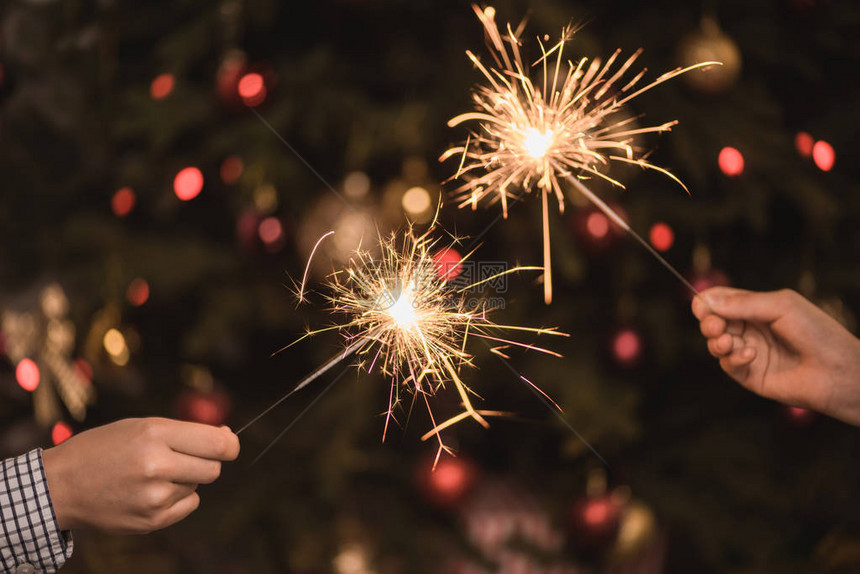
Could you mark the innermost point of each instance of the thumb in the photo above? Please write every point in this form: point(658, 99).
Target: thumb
point(747, 305)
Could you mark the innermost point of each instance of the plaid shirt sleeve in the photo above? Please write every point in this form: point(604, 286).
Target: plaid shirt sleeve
point(30, 540)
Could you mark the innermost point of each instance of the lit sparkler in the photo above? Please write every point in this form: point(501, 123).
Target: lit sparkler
point(565, 126)
point(404, 318)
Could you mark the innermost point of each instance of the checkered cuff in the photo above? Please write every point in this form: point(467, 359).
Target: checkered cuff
point(30, 540)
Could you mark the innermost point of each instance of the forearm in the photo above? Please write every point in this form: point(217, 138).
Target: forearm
point(30, 539)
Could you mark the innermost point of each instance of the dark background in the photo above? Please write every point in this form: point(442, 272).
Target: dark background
point(733, 483)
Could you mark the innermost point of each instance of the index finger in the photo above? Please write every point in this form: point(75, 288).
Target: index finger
point(202, 441)
point(700, 307)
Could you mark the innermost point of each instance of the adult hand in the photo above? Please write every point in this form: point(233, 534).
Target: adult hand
point(783, 347)
point(135, 475)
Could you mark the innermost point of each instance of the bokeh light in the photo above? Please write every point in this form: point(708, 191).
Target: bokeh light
point(123, 201)
point(800, 416)
point(708, 279)
point(27, 374)
point(116, 347)
point(266, 198)
point(252, 89)
point(207, 410)
point(447, 484)
point(232, 169)
point(416, 201)
point(61, 433)
point(161, 86)
point(84, 370)
point(662, 237)
point(804, 142)
point(271, 233)
point(823, 155)
point(356, 185)
point(449, 263)
point(188, 183)
point(731, 161)
point(114, 342)
point(230, 71)
point(250, 85)
point(627, 346)
point(211, 407)
point(598, 511)
point(137, 292)
point(246, 229)
point(597, 225)
point(450, 478)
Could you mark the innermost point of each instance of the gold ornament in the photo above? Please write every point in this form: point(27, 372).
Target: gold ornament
point(42, 332)
point(710, 43)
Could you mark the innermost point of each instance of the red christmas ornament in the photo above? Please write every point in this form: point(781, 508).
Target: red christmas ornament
point(231, 169)
point(123, 201)
point(595, 229)
point(61, 433)
point(804, 142)
point(712, 278)
point(597, 225)
point(252, 89)
point(823, 155)
point(731, 161)
point(662, 237)
point(161, 86)
point(627, 347)
point(137, 292)
point(271, 233)
point(449, 264)
point(246, 229)
point(27, 374)
point(188, 183)
point(232, 68)
point(449, 484)
point(207, 407)
point(594, 522)
point(84, 370)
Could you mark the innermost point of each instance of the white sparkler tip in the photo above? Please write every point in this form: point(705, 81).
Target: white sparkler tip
point(403, 310)
point(537, 143)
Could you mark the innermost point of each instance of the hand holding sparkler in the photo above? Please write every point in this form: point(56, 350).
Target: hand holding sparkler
point(781, 346)
point(135, 475)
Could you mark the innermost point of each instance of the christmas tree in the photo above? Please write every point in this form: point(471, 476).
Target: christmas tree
point(169, 166)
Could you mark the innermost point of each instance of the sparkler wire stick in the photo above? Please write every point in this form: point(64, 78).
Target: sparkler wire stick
point(300, 415)
point(611, 214)
point(301, 158)
point(556, 411)
point(314, 375)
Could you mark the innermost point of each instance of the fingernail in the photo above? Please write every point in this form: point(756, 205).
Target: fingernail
point(747, 353)
point(712, 299)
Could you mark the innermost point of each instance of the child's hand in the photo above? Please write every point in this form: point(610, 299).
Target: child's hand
point(135, 475)
point(783, 347)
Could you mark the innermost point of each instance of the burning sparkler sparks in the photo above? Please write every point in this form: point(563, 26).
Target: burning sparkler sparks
point(565, 126)
point(404, 319)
